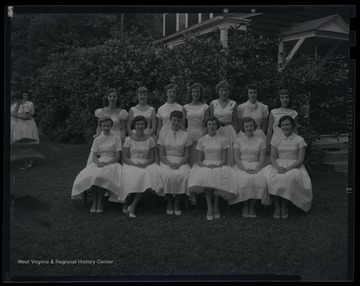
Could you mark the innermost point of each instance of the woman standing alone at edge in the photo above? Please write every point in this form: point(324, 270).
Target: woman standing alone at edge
point(225, 110)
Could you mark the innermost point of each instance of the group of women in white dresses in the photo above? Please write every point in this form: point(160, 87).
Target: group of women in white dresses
point(217, 149)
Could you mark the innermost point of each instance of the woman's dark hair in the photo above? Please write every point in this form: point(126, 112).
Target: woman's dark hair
point(248, 119)
point(105, 119)
point(27, 92)
point(281, 92)
point(138, 118)
point(197, 85)
point(222, 84)
point(110, 90)
point(176, 114)
point(287, 117)
point(213, 118)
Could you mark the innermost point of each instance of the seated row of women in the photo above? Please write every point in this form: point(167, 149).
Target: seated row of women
point(284, 180)
point(229, 113)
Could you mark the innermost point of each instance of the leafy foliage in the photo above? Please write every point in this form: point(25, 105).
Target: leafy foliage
point(71, 86)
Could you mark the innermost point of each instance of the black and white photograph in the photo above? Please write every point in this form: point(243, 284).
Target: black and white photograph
point(179, 143)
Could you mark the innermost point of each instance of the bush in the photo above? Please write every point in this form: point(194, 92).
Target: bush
point(73, 84)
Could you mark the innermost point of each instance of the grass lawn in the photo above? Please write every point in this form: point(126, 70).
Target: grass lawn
point(312, 246)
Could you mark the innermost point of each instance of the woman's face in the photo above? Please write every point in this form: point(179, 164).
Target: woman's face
point(171, 94)
point(284, 100)
point(223, 92)
point(175, 123)
point(252, 94)
point(25, 96)
point(143, 96)
point(249, 128)
point(286, 127)
point(139, 126)
point(106, 127)
point(195, 93)
point(112, 97)
point(211, 126)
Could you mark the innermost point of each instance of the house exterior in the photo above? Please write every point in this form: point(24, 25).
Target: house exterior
point(324, 29)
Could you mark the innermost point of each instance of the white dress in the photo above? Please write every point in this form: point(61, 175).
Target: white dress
point(294, 185)
point(225, 115)
point(222, 179)
point(13, 121)
point(116, 128)
point(25, 128)
point(135, 179)
point(258, 111)
point(277, 114)
point(116, 117)
point(107, 177)
point(164, 114)
point(147, 114)
point(250, 186)
point(174, 181)
point(195, 120)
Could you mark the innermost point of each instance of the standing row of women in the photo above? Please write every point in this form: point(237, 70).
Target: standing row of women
point(216, 152)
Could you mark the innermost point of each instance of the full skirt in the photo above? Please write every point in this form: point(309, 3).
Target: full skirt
point(250, 186)
point(107, 177)
point(229, 133)
point(174, 181)
point(294, 185)
point(139, 180)
point(221, 179)
point(25, 129)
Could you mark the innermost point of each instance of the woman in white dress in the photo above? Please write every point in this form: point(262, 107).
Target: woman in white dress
point(211, 174)
point(142, 108)
point(196, 114)
point(104, 172)
point(24, 125)
point(115, 112)
point(225, 110)
point(276, 114)
point(174, 149)
point(286, 177)
point(140, 173)
point(26, 97)
point(249, 152)
point(164, 111)
point(256, 110)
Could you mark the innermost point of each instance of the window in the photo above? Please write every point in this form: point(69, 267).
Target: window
point(170, 24)
point(193, 19)
point(182, 21)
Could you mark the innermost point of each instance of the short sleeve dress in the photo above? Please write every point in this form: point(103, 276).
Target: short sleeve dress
point(250, 186)
point(294, 185)
point(117, 116)
point(277, 113)
point(135, 179)
point(222, 179)
point(174, 181)
point(258, 111)
point(225, 116)
point(164, 112)
point(107, 177)
point(195, 115)
point(147, 114)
